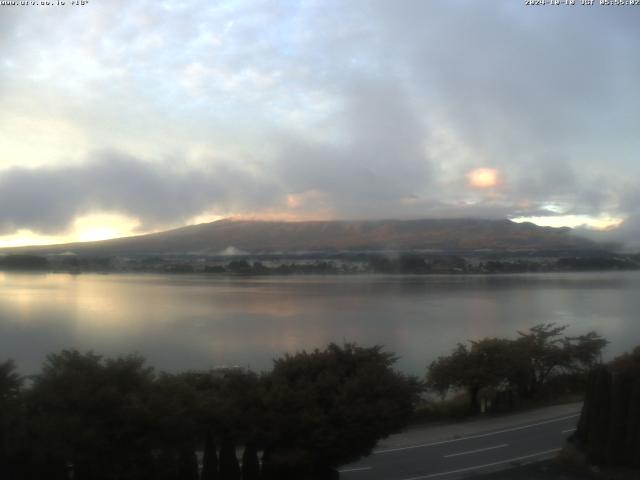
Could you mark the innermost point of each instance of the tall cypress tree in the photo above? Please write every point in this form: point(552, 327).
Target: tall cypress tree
point(609, 426)
point(617, 435)
point(188, 464)
point(210, 459)
point(49, 467)
point(250, 463)
point(583, 432)
point(167, 466)
point(632, 450)
point(599, 425)
point(229, 467)
point(267, 471)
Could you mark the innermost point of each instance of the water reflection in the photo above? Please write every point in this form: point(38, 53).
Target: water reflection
point(183, 322)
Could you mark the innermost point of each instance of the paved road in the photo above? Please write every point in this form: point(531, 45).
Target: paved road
point(461, 457)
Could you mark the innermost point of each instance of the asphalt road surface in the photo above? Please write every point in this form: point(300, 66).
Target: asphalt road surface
point(464, 456)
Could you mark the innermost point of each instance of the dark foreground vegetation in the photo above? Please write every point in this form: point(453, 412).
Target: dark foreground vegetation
point(609, 429)
point(84, 417)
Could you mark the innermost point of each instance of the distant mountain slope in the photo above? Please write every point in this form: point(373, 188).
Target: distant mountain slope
point(297, 237)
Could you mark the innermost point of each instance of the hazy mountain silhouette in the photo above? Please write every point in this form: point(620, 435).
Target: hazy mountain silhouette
point(252, 236)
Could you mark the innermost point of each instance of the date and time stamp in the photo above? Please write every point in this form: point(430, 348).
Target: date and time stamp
point(44, 3)
point(582, 3)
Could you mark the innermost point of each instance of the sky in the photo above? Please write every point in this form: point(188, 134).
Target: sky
point(124, 117)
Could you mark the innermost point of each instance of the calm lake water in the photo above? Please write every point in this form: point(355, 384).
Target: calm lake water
point(181, 322)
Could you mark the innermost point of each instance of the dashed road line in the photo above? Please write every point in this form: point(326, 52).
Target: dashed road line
point(469, 452)
point(357, 469)
point(486, 465)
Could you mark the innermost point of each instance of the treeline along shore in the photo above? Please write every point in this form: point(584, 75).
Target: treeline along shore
point(328, 264)
point(87, 417)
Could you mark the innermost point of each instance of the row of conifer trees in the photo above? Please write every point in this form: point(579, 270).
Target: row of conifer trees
point(609, 428)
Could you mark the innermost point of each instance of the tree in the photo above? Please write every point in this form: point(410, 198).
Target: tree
point(490, 362)
point(10, 417)
point(585, 350)
point(240, 406)
point(543, 346)
point(250, 463)
point(177, 428)
point(229, 409)
point(229, 466)
point(524, 365)
point(188, 464)
point(609, 426)
point(94, 418)
point(93, 413)
point(627, 364)
point(330, 407)
point(626, 370)
point(548, 351)
point(209, 459)
point(10, 381)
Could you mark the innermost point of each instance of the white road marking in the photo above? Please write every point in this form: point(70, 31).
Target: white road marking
point(569, 430)
point(359, 469)
point(460, 470)
point(476, 451)
point(471, 437)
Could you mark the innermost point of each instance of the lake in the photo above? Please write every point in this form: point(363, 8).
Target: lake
point(181, 322)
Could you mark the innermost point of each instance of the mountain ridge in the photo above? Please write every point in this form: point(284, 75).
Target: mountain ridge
point(265, 237)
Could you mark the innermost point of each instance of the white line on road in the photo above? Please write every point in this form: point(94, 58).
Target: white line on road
point(359, 469)
point(471, 437)
point(486, 465)
point(569, 430)
point(476, 451)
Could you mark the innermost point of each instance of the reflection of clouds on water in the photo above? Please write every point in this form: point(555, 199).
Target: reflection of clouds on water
point(181, 322)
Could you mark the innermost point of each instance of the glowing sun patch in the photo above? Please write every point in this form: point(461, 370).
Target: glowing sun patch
point(483, 178)
point(101, 226)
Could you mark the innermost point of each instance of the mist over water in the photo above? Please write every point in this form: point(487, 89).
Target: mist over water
point(198, 322)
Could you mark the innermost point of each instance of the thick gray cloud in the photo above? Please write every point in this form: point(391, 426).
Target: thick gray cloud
point(544, 94)
point(48, 199)
point(380, 162)
point(355, 109)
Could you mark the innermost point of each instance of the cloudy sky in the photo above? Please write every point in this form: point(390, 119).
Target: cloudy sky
point(122, 117)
